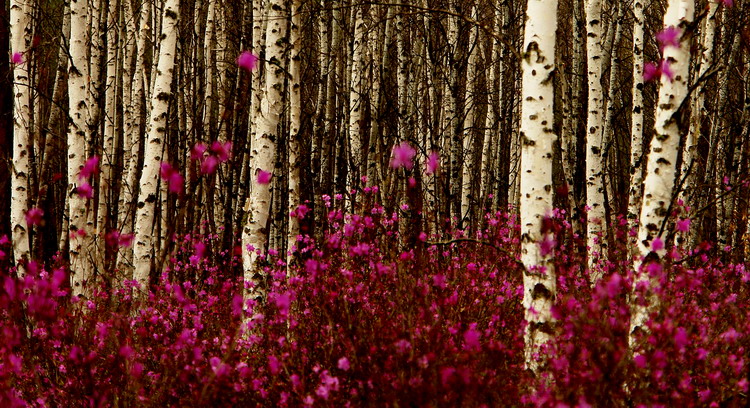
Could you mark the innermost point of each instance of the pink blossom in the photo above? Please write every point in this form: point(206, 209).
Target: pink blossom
point(666, 70)
point(683, 225)
point(670, 36)
point(4, 240)
point(222, 150)
point(264, 177)
point(471, 338)
point(176, 183)
point(547, 245)
point(208, 166)
point(403, 154)
point(17, 58)
point(343, 364)
point(657, 244)
point(650, 71)
point(681, 338)
point(273, 365)
point(34, 216)
point(247, 61)
point(85, 191)
point(727, 3)
point(433, 162)
point(90, 168)
point(196, 153)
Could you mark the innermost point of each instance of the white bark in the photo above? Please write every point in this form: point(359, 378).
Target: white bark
point(263, 152)
point(130, 187)
point(156, 132)
point(636, 127)
point(295, 116)
point(78, 134)
point(537, 139)
point(594, 133)
point(97, 23)
point(20, 33)
point(356, 109)
point(468, 127)
point(658, 187)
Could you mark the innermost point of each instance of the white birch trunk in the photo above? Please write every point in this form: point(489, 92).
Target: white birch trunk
point(97, 52)
point(78, 134)
point(537, 140)
point(636, 127)
point(156, 133)
point(20, 33)
point(295, 116)
point(468, 127)
point(594, 134)
point(356, 110)
point(131, 188)
point(263, 152)
point(658, 187)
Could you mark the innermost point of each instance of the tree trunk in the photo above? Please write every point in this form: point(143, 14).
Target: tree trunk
point(537, 141)
point(145, 230)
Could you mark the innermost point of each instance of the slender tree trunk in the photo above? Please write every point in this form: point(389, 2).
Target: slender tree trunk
point(467, 175)
point(263, 153)
point(145, 228)
point(594, 135)
point(78, 134)
point(20, 33)
point(658, 186)
point(636, 127)
point(537, 141)
point(356, 108)
point(295, 117)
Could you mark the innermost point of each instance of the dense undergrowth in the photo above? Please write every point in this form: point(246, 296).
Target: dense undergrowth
point(359, 320)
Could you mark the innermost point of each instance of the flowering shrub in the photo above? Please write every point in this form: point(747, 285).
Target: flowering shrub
point(356, 322)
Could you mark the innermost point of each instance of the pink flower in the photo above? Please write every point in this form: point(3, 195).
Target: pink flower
point(208, 166)
point(666, 70)
point(17, 58)
point(125, 240)
point(547, 245)
point(433, 162)
point(728, 3)
point(85, 191)
point(471, 338)
point(681, 338)
point(222, 150)
point(196, 153)
point(34, 216)
point(652, 72)
point(264, 177)
point(90, 168)
point(403, 154)
point(657, 244)
point(247, 61)
point(670, 36)
point(343, 364)
point(176, 183)
point(4, 240)
point(683, 225)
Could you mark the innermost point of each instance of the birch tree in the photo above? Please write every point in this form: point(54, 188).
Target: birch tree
point(537, 140)
point(658, 186)
point(594, 133)
point(155, 134)
point(78, 134)
point(295, 117)
point(20, 32)
point(263, 151)
point(636, 127)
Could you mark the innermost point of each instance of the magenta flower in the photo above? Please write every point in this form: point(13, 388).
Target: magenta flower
point(34, 216)
point(343, 364)
point(174, 179)
point(657, 244)
point(403, 154)
point(90, 168)
point(85, 191)
point(17, 58)
point(196, 153)
point(670, 36)
point(433, 162)
point(222, 150)
point(666, 70)
point(471, 338)
point(728, 3)
point(652, 72)
point(247, 61)
point(683, 225)
point(264, 177)
point(208, 166)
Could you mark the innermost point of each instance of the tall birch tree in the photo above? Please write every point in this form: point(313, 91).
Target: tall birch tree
point(658, 186)
point(155, 134)
point(20, 32)
point(537, 141)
